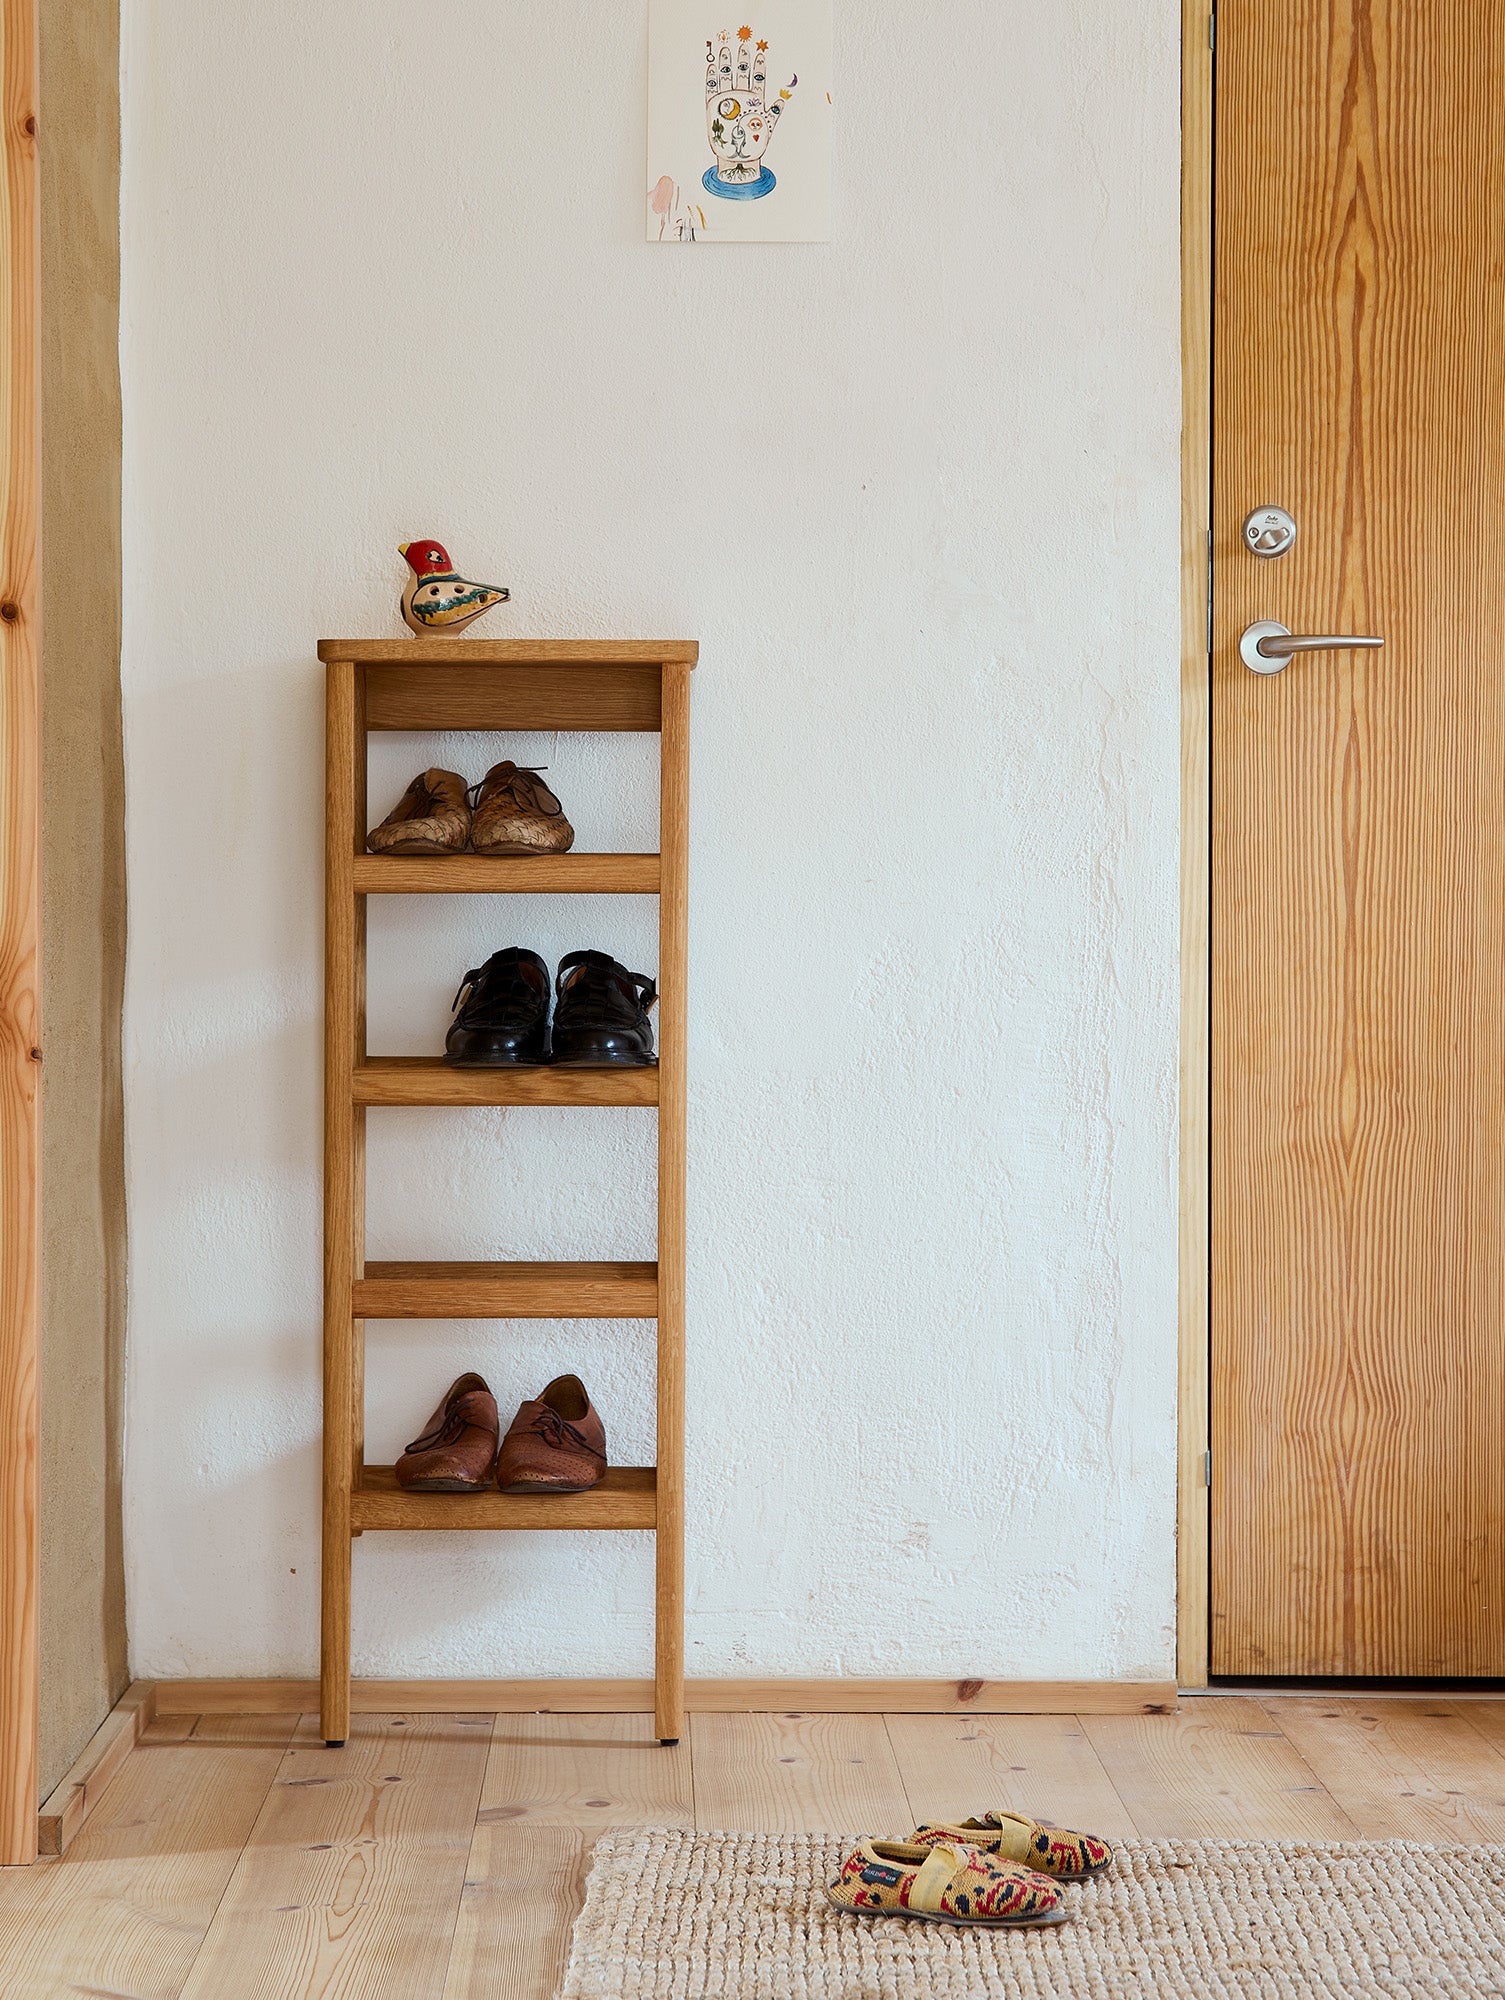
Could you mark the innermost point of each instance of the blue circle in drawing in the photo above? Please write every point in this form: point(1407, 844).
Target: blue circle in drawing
point(712, 182)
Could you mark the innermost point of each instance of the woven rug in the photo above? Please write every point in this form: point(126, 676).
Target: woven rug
point(735, 1916)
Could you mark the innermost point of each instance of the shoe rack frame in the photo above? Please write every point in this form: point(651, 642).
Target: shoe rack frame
point(522, 684)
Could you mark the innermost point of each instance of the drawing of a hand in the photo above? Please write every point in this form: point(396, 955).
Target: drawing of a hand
point(740, 116)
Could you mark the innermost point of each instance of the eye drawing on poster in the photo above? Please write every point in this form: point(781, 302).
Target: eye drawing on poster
point(720, 100)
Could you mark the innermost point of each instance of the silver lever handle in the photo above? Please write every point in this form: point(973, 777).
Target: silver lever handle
point(1266, 645)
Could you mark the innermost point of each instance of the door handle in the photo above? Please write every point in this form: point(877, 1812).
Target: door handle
point(1265, 646)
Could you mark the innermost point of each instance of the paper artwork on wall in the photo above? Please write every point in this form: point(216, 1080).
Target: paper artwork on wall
point(739, 122)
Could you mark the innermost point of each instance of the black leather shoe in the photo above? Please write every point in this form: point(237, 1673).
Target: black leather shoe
point(601, 1017)
point(505, 1018)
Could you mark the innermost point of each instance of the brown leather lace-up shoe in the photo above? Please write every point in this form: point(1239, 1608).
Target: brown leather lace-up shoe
point(458, 1449)
point(431, 817)
point(556, 1444)
point(514, 812)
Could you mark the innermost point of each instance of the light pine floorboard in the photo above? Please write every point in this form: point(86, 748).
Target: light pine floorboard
point(796, 1774)
point(1220, 1768)
point(1488, 1717)
point(126, 1909)
point(1422, 1769)
point(523, 1891)
point(553, 1782)
point(444, 1857)
point(350, 1883)
point(961, 1766)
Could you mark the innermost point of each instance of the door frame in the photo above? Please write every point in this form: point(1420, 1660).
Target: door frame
point(1193, 1512)
point(20, 905)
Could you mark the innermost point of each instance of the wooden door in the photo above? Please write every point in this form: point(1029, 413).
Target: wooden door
point(1357, 1352)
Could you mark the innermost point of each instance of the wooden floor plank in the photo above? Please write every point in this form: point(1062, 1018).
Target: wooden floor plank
point(586, 1771)
point(1486, 1715)
point(1217, 1769)
point(958, 1766)
point(774, 1773)
point(349, 1887)
point(126, 1908)
point(553, 1782)
point(522, 1892)
point(1412, 1770)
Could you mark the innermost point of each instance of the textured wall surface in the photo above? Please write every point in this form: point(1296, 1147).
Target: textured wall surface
point(916, 495)
point(82, 1595)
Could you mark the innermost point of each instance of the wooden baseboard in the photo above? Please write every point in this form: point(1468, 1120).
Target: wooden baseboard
point(79, 1794)
point(899, 1697)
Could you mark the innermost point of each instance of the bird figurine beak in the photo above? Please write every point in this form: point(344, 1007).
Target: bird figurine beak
point(403, 547)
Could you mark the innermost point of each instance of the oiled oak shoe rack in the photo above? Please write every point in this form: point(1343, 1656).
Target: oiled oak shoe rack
point(525, 684)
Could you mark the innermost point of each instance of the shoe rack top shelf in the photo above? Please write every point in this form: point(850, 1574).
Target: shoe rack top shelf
point(407, 651)
point(586, 684)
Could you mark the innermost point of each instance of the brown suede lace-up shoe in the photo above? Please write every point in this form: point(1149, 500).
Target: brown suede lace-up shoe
point(458, 1450)
point(556, 1444)
point(514, 812)
point(431, 817)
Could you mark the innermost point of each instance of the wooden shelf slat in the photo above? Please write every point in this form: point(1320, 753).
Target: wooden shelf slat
point(396, 1080)
point(506, 1291)
point(412, 652)
point(506, 875)
point(625, 1498)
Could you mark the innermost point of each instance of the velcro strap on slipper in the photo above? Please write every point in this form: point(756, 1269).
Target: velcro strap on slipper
point(1015, 1835)
point(935, 1876)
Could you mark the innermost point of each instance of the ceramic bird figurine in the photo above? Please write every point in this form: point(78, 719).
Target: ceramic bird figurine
point(436, 599)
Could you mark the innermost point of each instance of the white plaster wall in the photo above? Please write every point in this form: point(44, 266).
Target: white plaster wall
point(916, 495)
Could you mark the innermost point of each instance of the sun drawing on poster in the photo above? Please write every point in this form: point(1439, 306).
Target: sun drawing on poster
point(740, 117)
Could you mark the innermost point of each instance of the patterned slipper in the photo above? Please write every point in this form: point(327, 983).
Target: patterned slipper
point(1051, 1850)
point(943, 1882)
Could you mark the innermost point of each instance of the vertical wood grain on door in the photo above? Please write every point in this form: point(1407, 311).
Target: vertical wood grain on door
point(1358, 844)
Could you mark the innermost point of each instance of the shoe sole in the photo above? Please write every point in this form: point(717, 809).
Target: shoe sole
point(518, 847)
point(552, 1062)
point(961, 1923)
point(447, 1485)
point(414, 847)
point(604, 1062)
point(538, 1486)
point(499, 1062)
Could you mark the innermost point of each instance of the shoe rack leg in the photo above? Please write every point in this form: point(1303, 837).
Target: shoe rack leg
point(674, 805)
point(344, 1175)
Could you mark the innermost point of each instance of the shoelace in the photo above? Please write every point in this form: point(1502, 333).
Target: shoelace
point(583, 976)
point(553, 1429)
point(518, 987)
point(426, 801)
point(504, 786)
point(451, 1427)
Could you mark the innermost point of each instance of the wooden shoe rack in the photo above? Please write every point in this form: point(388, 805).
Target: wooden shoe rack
point(524, 684)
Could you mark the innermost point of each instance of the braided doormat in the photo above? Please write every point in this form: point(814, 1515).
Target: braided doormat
point(729, 1916)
